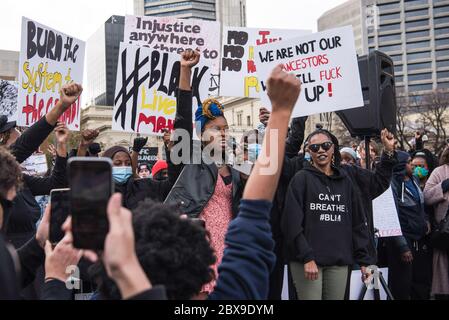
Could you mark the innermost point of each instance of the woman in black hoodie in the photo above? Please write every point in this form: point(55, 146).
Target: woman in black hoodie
point(324, 228)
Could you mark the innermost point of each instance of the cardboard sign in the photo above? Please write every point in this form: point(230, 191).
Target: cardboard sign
point(8, 99)
point(238, 76)
point(172, 35)
point(48, 60)
point(147, 79)
point(326, 64)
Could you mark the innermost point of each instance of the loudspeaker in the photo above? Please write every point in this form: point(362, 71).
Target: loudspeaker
point(379, 95)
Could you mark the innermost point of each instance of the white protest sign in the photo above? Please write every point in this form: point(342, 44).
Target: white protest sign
point(8, 99)
point(238, 76)
point(147, 79)
point(36, 164)
point(169, 34)
point(48, 60)
point(325, 62)
point(385, 215)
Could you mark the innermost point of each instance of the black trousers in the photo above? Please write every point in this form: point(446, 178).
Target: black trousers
point(410, 281)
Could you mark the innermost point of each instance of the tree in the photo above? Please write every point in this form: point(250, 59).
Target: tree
point(434, 117)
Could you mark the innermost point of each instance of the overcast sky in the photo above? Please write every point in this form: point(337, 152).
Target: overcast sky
point(81, 18)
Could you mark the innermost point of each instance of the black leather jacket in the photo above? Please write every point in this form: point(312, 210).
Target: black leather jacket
point(196, 183)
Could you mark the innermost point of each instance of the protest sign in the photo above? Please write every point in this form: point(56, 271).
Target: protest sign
point(36, 164)
point(169, 34)
point(238, 76)
point(145, 89)
point(147, 155)
point(8, 99)
point(326, 64)
point(385, 215)
point(48, 60)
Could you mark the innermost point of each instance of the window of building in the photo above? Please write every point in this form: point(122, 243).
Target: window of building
point(387, 6)
point(396, 47)
point(399, 79)
point(441, 31)
point(441, 10)
point(443, 85)
point(442, 74)
point(418, 55)
point(442, 53)
point(416, 13)
point(418, 45)
point(443, 64)
point(416, 24)
point(398, 69)
point(442, 42)
point(371, 40)
point(420, 76)
point(417, 34)
point(390, 27)
point(412, 3)
point(392, 16)
point(248, 121)
point(396, 58)
point(393, 37)
point(239, 118)
point(440, 20)
point(419, 66)
point(420, 87)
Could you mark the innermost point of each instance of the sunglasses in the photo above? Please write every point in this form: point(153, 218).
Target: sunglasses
point(316, 147)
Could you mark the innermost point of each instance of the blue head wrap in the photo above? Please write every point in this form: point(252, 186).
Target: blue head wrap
point(209, 110)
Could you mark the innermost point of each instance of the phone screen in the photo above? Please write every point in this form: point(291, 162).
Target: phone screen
point(60, 210)
point(90, 189)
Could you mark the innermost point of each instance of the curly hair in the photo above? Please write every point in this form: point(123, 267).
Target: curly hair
point(10, 172)
point(173, 252)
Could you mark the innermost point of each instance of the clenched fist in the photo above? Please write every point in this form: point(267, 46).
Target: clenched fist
point(283, 89)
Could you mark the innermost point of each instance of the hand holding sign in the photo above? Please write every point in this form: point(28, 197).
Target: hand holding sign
point(283, 89)
point(190, 58)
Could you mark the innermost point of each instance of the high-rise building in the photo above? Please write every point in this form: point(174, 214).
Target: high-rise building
point(102, 58)
point(349, 13)
point(229, 12)
point(415, 33)
point(9, 65)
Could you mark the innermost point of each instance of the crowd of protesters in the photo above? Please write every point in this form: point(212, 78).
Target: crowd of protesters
point(312, 211)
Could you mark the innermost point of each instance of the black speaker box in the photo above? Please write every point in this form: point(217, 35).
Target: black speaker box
point(379, 95)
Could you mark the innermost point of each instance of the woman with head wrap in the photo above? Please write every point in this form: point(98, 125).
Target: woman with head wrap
point(209, 189)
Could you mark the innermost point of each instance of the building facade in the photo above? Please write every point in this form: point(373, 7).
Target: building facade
point(9, 65)
point(102, 59)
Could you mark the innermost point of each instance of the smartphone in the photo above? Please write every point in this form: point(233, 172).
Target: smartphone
point(91, 186)
point(60, 210)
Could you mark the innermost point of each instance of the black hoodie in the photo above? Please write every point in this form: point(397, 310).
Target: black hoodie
point(323, 221)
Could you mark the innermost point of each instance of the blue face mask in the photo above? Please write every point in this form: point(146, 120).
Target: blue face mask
point(121, 174)
point(420, 172)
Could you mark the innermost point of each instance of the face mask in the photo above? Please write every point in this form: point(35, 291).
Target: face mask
point(121, 174)
point(254, 151)
point(420, 172)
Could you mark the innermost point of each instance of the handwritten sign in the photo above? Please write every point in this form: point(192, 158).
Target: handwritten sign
point(147, 79)
point(238, 77)
point(326, 64)
point(8, 99)
point(172, 35)
point(48, 60)
point(36, 164)
point(385, 215)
